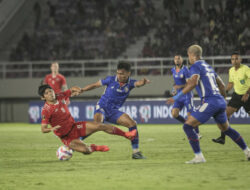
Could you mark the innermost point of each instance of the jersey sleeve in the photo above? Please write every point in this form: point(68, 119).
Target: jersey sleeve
point(230, 76)
point(132, 84)
point(63, 95)
point(63, 80)
point(248, 76)
point(45, 116)
point(186, 73)
point(106, 81)
point(194, 70)
point(172, 71)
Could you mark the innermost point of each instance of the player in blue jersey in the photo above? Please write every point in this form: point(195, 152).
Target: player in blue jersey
point(181, 75)
point(210, 88)
point(117, 90)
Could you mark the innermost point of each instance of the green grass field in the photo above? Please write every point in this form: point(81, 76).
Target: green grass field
point(28, 161)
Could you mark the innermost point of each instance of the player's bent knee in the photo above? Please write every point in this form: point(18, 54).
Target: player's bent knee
point(131, 124)
point(175, 115)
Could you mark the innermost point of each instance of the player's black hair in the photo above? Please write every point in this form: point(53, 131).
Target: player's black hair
point(177, 54)
point(42, 88)
point(235, 53)
point(124, 65)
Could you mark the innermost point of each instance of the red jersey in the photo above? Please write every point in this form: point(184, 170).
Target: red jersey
point(56, 83)
point(58, 114)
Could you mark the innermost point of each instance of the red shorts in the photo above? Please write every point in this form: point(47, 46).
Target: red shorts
point(79, 130)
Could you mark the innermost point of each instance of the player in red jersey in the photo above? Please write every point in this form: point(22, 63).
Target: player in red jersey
point(56, 80)
point(55, 112)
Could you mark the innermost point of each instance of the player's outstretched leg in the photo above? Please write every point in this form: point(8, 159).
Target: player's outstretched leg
point(92, 127)
point(195, 144)
point(116, 131)
point(236, 137)
point(79, 146)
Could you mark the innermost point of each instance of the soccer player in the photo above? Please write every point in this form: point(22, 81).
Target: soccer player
point(56, 80)
point(117, 90)
point(239, 79)
point(181, 75)
point(209, 87)
point(55, 112)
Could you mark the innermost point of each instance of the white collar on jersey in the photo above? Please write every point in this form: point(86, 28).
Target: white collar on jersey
point(116, 79)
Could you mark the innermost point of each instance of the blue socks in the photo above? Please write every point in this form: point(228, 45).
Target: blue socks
point(135, 141)
point(182, 120)
point(192, 137)
point(235, 136)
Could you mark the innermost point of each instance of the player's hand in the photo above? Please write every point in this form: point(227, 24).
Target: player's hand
point(245, 97)
point(55, 128)
point(170, 101)
point(145, 81)
point(75, 90)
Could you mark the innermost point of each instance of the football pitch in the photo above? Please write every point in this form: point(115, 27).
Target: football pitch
point(28, 161)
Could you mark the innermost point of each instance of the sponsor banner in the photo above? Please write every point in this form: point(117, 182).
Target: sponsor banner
point(142, 111)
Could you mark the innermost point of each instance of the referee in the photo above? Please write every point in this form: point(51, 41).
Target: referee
point(239, 79)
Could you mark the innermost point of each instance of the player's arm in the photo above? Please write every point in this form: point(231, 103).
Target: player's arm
point(221, 86)
point(191, 83)
point(230, 85)
point(91, 86)
point(246, 96)
point(64, 87)
point(141, 82)
point(75, 91)
point(46, 129)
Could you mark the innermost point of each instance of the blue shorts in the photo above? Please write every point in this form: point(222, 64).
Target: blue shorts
point(184, 101)
point(215, 108)
point(110, 115)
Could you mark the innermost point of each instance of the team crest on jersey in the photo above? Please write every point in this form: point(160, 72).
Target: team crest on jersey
point(118, 90)
point(242, 81)
point(79, 126)
point(181, 75)
point(63, 110)
point(56, 110)
point(126, 89)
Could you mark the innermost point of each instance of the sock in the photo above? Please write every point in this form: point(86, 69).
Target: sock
point(135, 141)
point(192, 137)
point(235, 136)
point(181, 119)
point(117, 131)
point(196, 129)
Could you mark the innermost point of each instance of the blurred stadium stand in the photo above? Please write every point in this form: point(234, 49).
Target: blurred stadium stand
point(89, 38)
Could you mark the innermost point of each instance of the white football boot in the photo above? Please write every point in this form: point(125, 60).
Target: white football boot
point(247, 153)
point(198, 159)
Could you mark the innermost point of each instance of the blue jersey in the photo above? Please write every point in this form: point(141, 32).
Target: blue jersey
point(115, 94)
point(207, 86)
point(180, 78)
point(213, 104)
